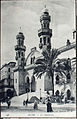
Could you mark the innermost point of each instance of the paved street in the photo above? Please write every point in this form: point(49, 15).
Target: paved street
point(23, 110)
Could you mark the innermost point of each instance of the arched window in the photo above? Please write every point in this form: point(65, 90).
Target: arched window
point(9, 83)
point(44, 40)
point(33, 78)
point(48, 40)
point(40, 40)
point(15, 80)
point(19, 54)
point(9, 76)
point(68, 77)
point(8, 69)
point(47, 25)
point(28, 80)
point(44, 25)
point(33, 84)
point(27, 84)
point(32, 59)
point(57, 79)
point(19, 42)
point(57, 93)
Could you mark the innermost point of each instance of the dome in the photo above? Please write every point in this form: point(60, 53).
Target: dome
point(33, 54)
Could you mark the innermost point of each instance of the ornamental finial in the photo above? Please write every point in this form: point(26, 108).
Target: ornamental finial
point(20, 29)
point(45, 8)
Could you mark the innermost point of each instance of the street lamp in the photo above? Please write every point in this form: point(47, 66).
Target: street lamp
point(40, 93)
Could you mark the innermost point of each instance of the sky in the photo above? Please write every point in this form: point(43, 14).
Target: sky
point(26, 14)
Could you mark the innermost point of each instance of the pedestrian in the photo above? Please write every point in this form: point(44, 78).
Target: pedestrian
point(35, 105)
point(26, 102)
point(49, 107)
point(9, 103)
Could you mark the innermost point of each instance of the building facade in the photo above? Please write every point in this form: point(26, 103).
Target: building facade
point(7, 81)
point(22, 80)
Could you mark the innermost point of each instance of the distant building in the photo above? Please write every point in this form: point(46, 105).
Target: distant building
point(7, 81)
point(66, 85)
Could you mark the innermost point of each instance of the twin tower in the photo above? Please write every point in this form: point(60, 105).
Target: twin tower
point(44, 34)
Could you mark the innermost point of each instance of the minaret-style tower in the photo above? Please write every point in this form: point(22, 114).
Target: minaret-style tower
point(20, 71)
point(20, 50)
point(45, 32)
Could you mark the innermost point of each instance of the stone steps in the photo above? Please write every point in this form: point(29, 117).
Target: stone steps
point(18, 100)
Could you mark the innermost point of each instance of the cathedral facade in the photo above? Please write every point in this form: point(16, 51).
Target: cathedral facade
point(24, 80)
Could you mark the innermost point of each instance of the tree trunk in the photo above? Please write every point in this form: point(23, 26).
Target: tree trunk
point(52, 84)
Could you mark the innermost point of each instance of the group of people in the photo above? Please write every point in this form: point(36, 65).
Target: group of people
point(49, 105)
point(35, 106)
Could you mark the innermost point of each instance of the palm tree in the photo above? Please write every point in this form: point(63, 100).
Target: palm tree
point(50, 64)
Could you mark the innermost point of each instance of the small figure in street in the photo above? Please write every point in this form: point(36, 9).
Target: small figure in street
point(49, 107)
point(9, 103)
point(26, 102)
point(35, 105)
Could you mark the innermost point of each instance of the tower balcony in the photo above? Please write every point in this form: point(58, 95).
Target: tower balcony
point(45, 32)
point(20, 36)
point(17, 47)
point(45, 17)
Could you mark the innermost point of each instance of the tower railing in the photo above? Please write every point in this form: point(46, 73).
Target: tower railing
point(17, 47)
point(45, 30)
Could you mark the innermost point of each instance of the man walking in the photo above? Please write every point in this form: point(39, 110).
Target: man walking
point(49, 107)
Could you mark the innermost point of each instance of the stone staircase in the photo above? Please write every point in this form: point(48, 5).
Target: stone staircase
point(18, 100)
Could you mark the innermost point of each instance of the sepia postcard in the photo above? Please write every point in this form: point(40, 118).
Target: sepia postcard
point(38, 59)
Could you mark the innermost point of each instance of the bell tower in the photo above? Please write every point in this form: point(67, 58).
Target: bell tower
point(45, 32)
point(20, 58)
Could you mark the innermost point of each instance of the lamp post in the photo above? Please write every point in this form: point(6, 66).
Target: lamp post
point(40, 93)
point(30, 86)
